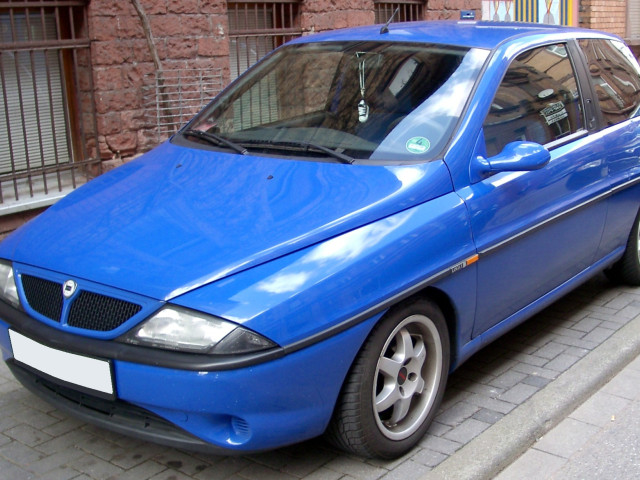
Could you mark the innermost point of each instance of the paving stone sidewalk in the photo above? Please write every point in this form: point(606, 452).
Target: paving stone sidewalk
point(37, 441)
point(599, 439)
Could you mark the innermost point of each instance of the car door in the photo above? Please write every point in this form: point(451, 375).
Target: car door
point(535, 230)
point(615, 77)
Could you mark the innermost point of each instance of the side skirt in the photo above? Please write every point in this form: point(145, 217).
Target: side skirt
point(523, 314)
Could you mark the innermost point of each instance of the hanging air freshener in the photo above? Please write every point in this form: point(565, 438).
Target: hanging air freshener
point(363, 108)
point(363, 111)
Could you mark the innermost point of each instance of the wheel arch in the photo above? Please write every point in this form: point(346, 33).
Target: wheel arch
point(446, 305)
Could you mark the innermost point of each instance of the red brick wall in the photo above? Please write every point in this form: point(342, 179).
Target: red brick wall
point(187, 33)
point(320, 15)
point(450, 9)
point(607, 15)
point(8, 223)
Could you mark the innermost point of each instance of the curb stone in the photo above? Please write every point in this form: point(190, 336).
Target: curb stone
point(507, 439)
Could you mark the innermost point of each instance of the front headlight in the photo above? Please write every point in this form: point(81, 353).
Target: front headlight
point(8, 289)
point(176, 328)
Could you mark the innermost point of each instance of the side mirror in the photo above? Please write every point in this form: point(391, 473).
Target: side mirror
point(515, 157)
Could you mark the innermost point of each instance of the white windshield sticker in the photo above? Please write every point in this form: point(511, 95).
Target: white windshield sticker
point(418, 145)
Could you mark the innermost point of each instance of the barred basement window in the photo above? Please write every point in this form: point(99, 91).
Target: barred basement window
point(258, 27)
point(409, 11)
point(48, 143)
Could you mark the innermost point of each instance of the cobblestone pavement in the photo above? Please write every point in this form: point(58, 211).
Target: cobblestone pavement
point(38, 441)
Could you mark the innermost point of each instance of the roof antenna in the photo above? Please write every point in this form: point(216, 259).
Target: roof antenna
point(385, 27)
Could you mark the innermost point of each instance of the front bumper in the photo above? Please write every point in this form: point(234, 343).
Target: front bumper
point(259, 406)
point(119, 416)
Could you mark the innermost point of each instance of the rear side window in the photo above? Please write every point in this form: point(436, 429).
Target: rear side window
point(537, 100)
point(615, 76)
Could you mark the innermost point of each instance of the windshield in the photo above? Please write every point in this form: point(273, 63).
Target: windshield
point(361, 100)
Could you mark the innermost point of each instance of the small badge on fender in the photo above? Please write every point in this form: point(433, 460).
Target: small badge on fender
point(464, 264)
point(68, 288)
point(458, 266)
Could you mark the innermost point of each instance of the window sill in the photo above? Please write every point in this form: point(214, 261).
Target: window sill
point(38, 197)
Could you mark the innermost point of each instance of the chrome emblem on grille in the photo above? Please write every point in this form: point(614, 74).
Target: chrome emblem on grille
point(69, 288)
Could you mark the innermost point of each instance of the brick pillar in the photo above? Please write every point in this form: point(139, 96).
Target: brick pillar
point(606, 15)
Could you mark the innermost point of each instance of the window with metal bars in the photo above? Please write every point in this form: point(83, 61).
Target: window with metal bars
point(258, 27)
point(47, 121)
point(408, 11)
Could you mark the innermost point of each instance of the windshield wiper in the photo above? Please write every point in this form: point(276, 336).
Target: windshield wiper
point(307, 145)
point(216, 140)
point(329, 151)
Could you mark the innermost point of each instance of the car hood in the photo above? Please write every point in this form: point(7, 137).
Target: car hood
point(178, 218)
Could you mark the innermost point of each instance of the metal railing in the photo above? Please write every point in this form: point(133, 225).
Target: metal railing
point(175, 96)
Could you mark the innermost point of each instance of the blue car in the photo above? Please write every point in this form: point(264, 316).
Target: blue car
point(331, 236)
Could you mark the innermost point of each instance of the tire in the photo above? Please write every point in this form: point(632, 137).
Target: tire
point(395, 384)
point(627, 269)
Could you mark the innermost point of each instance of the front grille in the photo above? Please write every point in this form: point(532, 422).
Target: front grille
point(44, 296)
point(92, 311)
point(89, 310)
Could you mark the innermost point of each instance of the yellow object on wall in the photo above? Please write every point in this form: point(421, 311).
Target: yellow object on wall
point(554, 12)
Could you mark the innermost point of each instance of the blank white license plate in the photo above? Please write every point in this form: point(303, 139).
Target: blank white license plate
point(86, 372)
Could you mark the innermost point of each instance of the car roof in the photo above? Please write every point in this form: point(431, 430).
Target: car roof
point(463, 33)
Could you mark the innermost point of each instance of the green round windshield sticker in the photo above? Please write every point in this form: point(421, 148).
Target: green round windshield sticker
point(418, 145)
